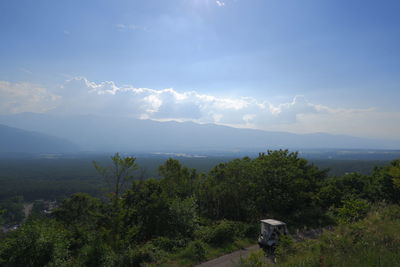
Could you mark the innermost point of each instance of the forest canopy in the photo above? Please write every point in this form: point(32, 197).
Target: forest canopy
point(184, 214)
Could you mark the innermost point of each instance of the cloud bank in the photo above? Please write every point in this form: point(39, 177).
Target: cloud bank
point(81, 96)
point(25, 97)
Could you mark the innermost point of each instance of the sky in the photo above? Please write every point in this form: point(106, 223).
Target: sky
point(299, 66)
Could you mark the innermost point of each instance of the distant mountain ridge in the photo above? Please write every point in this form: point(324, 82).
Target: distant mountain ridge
point(109, 134)
point(13, 140)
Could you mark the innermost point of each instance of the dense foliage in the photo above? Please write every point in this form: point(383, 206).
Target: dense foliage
point(58, 178)
point(184, 215)
point(278, 184)
point(11, 210)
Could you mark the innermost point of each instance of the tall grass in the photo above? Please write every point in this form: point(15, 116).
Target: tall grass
point(372, 241)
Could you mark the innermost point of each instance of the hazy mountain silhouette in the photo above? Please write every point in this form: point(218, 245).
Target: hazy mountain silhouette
point(13, 140)
point(99, 133)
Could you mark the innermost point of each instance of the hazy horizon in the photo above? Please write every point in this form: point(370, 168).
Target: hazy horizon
point(287, 66)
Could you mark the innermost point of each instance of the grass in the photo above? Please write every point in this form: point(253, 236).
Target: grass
point(215, 252)
point(373, 241)
point(181, 258)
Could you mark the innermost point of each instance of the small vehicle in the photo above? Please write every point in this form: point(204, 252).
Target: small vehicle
point(271, 230)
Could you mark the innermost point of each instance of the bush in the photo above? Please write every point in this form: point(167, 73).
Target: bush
point(168, 244)
point(255, 259)
point(391, 212)
point(372, 241)
point(285, 247)
point(96, 253)
point(195, 251)
point(37, 243)
point(352, 210)
point(250, 230)
point(138, 255)
point(218, 234)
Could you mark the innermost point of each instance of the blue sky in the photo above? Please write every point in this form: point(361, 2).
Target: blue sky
point(309, 65)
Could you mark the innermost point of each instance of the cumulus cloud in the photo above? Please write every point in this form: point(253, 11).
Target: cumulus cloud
point(81, 96)
point(298, 116)
point(25, 97)
point(168, 104)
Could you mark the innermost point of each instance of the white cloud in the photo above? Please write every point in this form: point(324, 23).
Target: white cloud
point(220, 3)
point(25, 97)
point(81, 96)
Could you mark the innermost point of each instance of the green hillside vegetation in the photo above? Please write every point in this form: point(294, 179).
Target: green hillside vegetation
point(371, 241)
point(186, 217)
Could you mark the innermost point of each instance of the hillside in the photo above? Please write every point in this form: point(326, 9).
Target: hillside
point(99, 133)
point(372, 241)
point(13, 140)
point(185, 217)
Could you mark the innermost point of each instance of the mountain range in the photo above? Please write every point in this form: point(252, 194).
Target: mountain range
point(110, 134)
point(13, 140)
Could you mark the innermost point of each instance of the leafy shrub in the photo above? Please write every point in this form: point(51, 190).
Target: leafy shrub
point(255, 259)
point(183, 217)
point(251, 230)
point(247, 230)
point(139, 255)
point(352, 210)
point(96, 254)
point(11, 210)
point(391, 212)
point(37, 243)
point(218, 234)
point(372, 241)
point(195, 251)
point(285, 247)
point(168, 244)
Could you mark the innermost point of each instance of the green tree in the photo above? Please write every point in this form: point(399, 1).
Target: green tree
point(12, 210)
point(146, 210)
point(350, 186)
point(150, 213)
point(183, 218)
point(88, 223)
point(226, 192)
point(118, 174)
point(80, 208)
point(117, 177)
point(36, 243)
point(394, 172)
point(178, 180)
point(288, 185)
point(277, 184)
point(389, 179)
point(2, 211)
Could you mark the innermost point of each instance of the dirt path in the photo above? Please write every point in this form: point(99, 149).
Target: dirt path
point(233, 259)
point(229, 260)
